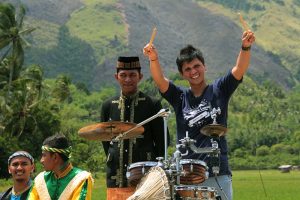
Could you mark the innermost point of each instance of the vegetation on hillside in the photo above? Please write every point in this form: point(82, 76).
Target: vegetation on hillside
point(275, 22)
point(102, 28)
point(101, 25)
point(264, 120)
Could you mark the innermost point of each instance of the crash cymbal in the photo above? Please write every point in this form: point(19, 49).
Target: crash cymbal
point(106, 131)
point(214, 130)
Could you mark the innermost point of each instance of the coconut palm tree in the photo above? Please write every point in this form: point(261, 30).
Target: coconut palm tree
point(11, 39)
point(14, 91)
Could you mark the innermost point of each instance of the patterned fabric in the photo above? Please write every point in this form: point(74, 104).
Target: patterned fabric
point(128, 63)
point(66, 152)
point(20, 153)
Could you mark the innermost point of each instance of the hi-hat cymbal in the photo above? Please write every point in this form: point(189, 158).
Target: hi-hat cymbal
point(106, 131)
point(214, 130)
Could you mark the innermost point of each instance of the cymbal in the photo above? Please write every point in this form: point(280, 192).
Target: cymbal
point(214, 130)
point(106, 131)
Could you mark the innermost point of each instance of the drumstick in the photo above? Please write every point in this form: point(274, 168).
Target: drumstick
point(152, 36)
point(246, 28)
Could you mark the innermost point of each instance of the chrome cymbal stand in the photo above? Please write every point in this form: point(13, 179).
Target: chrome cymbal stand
point(175, 169)
point(161, 113)
point(165, 116)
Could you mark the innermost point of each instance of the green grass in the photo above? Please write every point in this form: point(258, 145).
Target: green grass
point(99, 191)
point(247, 185)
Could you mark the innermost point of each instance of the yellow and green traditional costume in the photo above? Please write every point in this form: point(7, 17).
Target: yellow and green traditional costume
point(71, 184)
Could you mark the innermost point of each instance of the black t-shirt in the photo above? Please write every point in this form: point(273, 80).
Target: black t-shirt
point(193, 113)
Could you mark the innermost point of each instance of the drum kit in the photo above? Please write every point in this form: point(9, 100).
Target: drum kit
point(168, 178)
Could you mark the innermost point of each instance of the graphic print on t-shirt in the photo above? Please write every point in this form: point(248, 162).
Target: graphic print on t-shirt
point(197, 116)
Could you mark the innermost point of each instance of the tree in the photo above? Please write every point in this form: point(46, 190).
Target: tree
point(11, 38)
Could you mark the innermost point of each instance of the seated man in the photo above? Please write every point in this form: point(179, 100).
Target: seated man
point(60, 180)
point(20, 166)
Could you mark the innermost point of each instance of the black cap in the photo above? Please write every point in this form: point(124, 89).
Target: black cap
point(128, 63)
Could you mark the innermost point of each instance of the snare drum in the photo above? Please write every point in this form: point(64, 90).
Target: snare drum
point(194, 172)
point(137, 170)
point(188, 192)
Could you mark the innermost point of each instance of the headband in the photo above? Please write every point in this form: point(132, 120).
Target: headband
point(20, 153)
point(66, 151)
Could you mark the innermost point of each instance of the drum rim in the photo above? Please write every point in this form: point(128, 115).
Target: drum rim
point(192, 187)
point(193, 161)
point(143, 164)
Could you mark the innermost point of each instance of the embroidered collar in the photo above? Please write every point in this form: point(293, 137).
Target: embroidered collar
point(64, 172)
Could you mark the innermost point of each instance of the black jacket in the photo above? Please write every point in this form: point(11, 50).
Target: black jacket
point(147, 148)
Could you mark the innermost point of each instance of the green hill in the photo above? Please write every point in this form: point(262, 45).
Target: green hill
point(275, 22)
point(83, 38)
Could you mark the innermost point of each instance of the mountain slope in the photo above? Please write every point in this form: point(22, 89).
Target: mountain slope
point(275, 22)
point(183, 22)
point(84, 38)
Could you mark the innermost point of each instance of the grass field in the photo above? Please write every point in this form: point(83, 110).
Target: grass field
point(247, 185)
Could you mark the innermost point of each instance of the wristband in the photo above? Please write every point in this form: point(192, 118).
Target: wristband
point(246, 48)
point(154, 59)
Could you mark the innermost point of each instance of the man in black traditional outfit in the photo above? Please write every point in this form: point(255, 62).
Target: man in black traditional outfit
point(133, 106)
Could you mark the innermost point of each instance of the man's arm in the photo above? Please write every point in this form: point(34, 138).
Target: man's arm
point(156, 71)
point(243, 59)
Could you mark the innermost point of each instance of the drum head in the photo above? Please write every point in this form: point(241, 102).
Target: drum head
point(154, 185)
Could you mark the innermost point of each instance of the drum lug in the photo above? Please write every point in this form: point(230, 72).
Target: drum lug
point(191, 168)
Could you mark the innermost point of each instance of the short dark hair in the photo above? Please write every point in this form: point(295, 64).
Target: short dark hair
point(58, 141)
point(187, 54)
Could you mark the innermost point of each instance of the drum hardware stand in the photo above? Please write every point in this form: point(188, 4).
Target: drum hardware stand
point(178, 169)
point(214, 113)
point(165, 116)
point(161, 113)
point(215, 159)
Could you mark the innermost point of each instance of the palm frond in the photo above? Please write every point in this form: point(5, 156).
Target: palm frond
point(18, 54)
point(7, 16)
point(26, 31)
point(8, 10)
point(20, 16)
point(4, 42)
